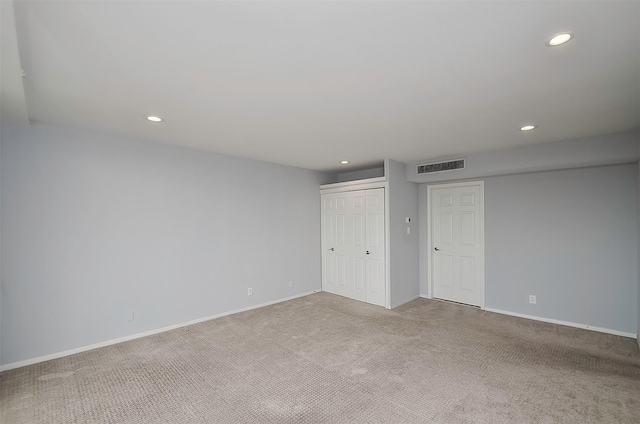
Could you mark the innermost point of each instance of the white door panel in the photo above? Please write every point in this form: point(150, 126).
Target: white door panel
point(329, 239)
point(344, 246)
point(375, 247)
point(358, 242)
point(359, 274)
point(457, 255)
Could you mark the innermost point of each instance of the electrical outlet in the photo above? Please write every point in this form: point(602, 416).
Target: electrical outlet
point(290, 283)
point(249, 291)
point(532, 299)
point(278, 286)
point(131, 316)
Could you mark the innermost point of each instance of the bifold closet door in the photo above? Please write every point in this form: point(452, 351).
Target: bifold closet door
point(353, 245)
point(375, 264)
point(329, 226)
point(343, 222)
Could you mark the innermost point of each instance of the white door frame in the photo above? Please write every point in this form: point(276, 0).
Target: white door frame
point(430, 189)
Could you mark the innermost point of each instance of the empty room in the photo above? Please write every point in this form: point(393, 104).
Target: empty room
point(319, 211)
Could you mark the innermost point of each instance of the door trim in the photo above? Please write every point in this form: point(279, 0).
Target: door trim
point(429, 245)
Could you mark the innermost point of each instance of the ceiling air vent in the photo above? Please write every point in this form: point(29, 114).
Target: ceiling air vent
point(451, 165)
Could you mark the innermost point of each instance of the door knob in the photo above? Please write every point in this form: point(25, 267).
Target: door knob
point(437, 250)
point(332, 249)
point(368, 253)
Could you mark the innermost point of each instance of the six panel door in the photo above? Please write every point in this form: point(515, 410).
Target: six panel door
point(458, 262)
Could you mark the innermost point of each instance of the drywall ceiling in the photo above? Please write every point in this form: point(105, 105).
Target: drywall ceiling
point(310, 83)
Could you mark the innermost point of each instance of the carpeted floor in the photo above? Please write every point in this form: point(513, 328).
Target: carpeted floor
point(327, 359)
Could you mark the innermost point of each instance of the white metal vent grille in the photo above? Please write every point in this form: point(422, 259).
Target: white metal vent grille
point(451, 165)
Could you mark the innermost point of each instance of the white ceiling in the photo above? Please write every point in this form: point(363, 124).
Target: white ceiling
point(310, 83)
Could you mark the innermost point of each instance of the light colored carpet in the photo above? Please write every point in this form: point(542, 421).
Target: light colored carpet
point(327, 359)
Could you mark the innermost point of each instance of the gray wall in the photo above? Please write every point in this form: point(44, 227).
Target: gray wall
point(95, 228)
point(359, 175)
point(607, 149)
point(571, 238)
point(579, 181)
point(638, 310)
point(403, 202)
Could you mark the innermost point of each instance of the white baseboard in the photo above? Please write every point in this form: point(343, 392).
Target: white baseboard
point(567, 323)
point(559, 322)
point(57, 355)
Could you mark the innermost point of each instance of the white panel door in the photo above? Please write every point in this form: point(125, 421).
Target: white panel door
point(458, 247)
point(375, 270)
point(353, 245)
point(329, 241)
point(358, 235)
point(343, 244)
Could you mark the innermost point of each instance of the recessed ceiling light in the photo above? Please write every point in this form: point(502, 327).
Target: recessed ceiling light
point(154, 118)
point(344, 162)
point(556, 40)
point(528, 127)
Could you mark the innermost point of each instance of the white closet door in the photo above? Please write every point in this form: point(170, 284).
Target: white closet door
point(342, 244)
point(375, 273)
point(357, 236)
point(338, 243)
point(353, 245)
point(329, 242)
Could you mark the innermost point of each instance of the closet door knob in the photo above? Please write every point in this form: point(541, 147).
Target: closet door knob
point(437, 250)
point(332, 249)
point(368, 253)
